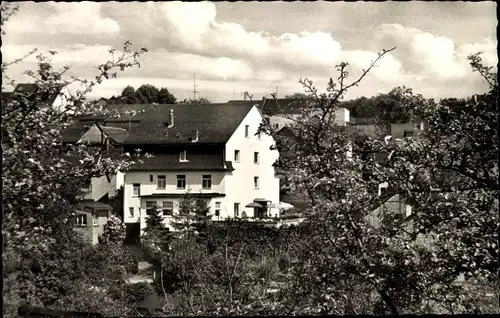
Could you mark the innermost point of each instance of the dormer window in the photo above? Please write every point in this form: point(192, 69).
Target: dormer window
point(183, 156)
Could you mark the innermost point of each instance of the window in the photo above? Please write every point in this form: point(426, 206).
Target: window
point(81, 220)
point(183, 156)
point(276, 126)
point(256, 182)
point(217, 208)
point(137, 189)
point(207, 181)
point(150, 178)
point(162, 182)
point(236, 209)
point(95, 220)
point(150, 205)
point(407, 133)
point(168, 207)
point(237, 156)
point(255, 157)
point(246, 130)
point(131, 212)
point(181, 181)
point(382, 190)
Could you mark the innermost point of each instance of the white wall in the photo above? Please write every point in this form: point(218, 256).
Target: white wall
point(193, 183)
point(61, 100)
point(93, 135)
point(342, 116)
point(240, 185)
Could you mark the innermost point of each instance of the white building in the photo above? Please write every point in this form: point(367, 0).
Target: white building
point(211, 151)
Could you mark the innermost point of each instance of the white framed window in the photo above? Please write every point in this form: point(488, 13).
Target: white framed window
point(137, 189)
point(168, 207)
point(206, 181)
point(256, 182)
point(256, 157)
point(81, 220)
point(183, 156)
point(150, 205)
point(181, 181)
point(247, 128)
point(131, 212)
point(236, 209)
point(95, 220)
point(162, 182)
point(237, 156)
point(217, 208)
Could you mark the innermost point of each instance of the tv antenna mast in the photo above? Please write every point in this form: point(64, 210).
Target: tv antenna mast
point(245, 95)
point(194, 87)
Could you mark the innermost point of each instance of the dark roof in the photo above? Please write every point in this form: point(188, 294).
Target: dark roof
point(215, 123)
point(170, 162)
point(246, 102)
point(374, 131)
point(271, 107)
point(117, 134)
point(32, 88)
point(177, 195)
point(94, 205)
point(6, 96)
point(75, 131)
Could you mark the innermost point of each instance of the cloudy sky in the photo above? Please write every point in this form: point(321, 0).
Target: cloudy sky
point(257, 46)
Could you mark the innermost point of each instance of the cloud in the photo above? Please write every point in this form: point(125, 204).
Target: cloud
point(186, 38)
point(430, 54)
point(80, 18)
point(387, 68)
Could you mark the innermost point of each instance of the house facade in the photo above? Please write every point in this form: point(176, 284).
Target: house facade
point(210, 151)
point(90, 219)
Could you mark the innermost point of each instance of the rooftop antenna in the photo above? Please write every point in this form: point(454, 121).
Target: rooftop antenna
point(194, 87)
point(276, 92)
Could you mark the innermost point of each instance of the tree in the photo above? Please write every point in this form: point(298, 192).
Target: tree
point(129, 95)
point(449, 176)
point(165, 97)
point(114, 232)
point(379, 109)
point(298, 96)
point(147, 94)
point(199, 100)
point(42, 249)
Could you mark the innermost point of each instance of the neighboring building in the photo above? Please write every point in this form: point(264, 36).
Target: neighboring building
point(90, 219)
point(57, 98)
point(101, 102)
point(212, 151)
point(285, 111)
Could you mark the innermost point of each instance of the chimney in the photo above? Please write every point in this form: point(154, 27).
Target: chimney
point(197, 135)
point(171, 123)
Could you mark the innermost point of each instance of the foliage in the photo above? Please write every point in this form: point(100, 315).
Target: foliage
point(298, 96)
point(145, 94)
point(199, 100)
point(47, 263)
point(449, 175)
point(135, 293)
point(380, 109)
point(114, 232)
